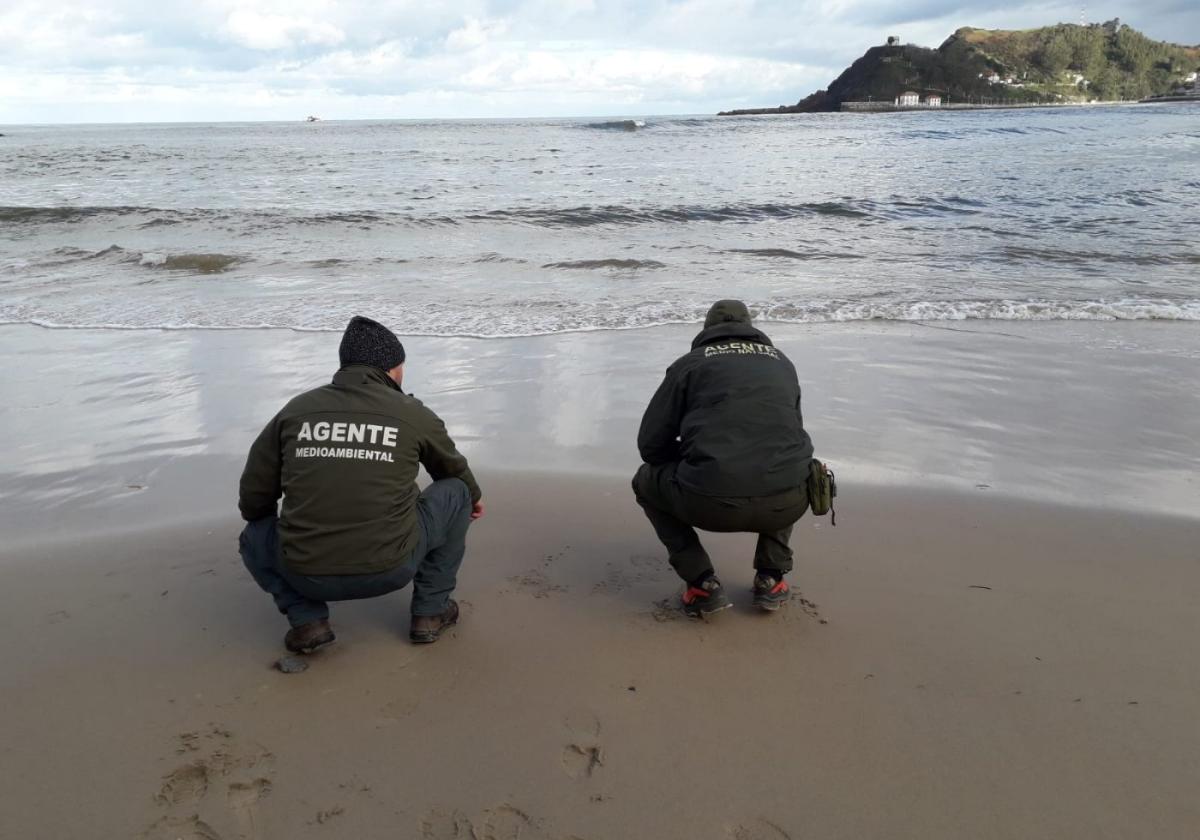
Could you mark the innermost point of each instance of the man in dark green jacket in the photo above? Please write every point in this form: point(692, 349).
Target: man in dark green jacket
point(345, 458)
point(725, 449)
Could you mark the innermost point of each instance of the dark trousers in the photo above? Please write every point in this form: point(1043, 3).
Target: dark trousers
point(676, 512)
point(443, 514)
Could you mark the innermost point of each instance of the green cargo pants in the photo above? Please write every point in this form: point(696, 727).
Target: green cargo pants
point(676, 513)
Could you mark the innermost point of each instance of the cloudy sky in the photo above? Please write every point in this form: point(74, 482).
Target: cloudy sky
point(142, 60)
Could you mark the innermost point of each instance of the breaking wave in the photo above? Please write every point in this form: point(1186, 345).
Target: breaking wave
point(618, 125)
point(627, 265)
point(199, 263)
point(1129, 309)
point(194, 262)
point(788, 254)
point(550, 317)
point(619, 214)
point(51, 215)
point(550, 217)
point(1067, 256)
point(493, 257)
point(892, 208)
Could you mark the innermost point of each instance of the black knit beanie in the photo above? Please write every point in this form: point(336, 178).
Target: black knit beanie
point(727, 310)
point(368, 342)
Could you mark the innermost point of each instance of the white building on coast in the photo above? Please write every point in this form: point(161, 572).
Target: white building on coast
point(909, 98)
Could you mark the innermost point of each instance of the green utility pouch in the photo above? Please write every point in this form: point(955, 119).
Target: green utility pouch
point(822, 490)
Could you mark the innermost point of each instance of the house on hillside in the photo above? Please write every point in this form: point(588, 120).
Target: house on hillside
point(992, 77)
point(910, 98)
point(933, 101)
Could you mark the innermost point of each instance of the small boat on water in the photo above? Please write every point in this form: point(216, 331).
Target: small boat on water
point(311, 118)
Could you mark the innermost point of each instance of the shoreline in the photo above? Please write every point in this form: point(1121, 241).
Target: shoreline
point(767, 323)
point(884, 107)
point(157, 431)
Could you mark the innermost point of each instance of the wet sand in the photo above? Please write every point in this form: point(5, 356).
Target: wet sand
point(959, 666)
point(959, 662)
point(118, 430)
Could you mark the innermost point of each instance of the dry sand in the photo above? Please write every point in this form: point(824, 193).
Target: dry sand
point(972, 667)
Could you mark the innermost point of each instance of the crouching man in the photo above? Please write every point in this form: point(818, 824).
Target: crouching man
point(345, 457)
point(725, 449)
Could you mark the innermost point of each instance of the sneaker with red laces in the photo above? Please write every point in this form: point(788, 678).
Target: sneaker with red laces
point(705, 599)
point(770, 593)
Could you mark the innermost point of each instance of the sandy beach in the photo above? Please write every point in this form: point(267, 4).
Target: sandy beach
point(961, 667)
point(996, 641)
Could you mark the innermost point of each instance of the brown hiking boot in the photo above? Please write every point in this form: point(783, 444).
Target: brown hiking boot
point(426, 628)
point(309, 637)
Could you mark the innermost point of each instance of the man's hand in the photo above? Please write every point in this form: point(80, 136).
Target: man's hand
point(477, 511)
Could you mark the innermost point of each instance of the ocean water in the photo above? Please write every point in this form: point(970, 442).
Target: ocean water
point(504, 228)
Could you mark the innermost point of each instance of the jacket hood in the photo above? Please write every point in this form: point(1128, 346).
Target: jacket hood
point(730, 329)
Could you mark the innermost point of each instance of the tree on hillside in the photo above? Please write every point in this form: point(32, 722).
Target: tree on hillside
point(1087, 50)
point(1054, 55)
point(1135, 52)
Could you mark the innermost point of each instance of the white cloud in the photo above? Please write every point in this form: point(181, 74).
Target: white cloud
point(473, 34)
point(67, 60)
point(260, 31)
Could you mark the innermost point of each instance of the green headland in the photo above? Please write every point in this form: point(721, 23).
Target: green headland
point(1061, 64)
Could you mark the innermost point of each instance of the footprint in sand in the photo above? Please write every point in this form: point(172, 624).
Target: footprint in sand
point(440, 825)
point(188, 828)
point(758, 829)
point(243, 799)
point(503, 822)
point(805, 607)
point(640, 568)
point(423, 683)
point(183, 784)
point(506, 822)
point(537, 584)
point(668, 609)
point(216, 795)
point(582, 755)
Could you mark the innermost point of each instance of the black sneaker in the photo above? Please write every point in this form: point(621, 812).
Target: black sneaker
point(705, 599)
point(770, 593)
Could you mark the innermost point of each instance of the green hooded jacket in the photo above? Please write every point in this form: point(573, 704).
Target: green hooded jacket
point(345, 458)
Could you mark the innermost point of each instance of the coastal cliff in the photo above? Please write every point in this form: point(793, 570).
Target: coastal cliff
point(1055, 64)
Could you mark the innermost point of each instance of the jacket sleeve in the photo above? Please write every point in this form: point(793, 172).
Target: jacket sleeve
point(262, 483)
point(806, 446)
point(441, 459)
point(658, 437)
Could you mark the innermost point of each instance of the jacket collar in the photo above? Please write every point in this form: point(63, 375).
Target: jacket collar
point(730, 329)
point(352, 375)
